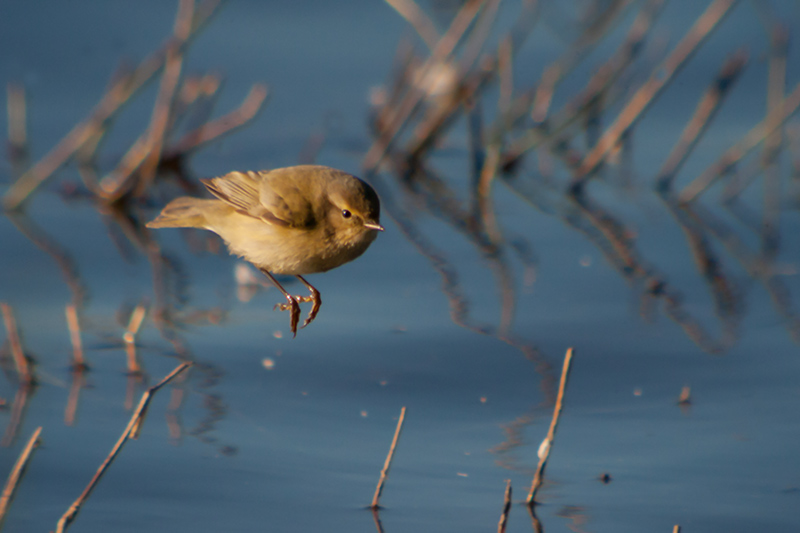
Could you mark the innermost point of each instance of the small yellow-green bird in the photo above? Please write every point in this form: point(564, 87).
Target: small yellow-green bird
point(294, 220)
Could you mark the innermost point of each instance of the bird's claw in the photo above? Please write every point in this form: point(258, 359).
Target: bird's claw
point(294, 308)
point(314, 309)
point(317, 303)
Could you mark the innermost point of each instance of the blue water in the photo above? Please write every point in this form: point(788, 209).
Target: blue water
point(281, 434)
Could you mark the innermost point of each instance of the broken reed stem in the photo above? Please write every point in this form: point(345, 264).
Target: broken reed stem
point(501, 526)
point(78, 360)
point(14, 342)
point(547, 444)
point(388, 463)
point(647, 94)
point(16, 474)
point(131, 432)
point(135, 322)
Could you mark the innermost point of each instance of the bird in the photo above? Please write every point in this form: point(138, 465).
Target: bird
point(295, 221)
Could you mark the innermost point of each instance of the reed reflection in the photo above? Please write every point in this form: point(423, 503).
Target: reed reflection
point(458, 95)
point(411, 122)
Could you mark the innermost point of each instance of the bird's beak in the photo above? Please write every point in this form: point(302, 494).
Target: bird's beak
point(376, 227)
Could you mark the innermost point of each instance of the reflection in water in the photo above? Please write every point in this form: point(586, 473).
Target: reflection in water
point(410, 121)
point(560, 159)
point(76, 384)
point(19, 406)
point(63, 259)
point(181, 124)
point(499, 150)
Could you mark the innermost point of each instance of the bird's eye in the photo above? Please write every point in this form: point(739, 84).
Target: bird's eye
point(346, 213)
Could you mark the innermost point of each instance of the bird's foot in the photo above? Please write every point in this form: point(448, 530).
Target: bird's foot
point(294, 308)
point(317, 303)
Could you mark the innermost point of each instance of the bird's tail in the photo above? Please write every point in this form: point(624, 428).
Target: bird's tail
point(184, 212)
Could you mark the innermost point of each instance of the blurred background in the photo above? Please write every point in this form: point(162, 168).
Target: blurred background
point(617, 176)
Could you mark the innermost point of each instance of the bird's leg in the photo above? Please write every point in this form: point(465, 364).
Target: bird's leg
point(293, 306)
point(315, 298)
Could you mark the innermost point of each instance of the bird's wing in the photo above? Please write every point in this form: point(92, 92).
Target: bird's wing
point(275, 201)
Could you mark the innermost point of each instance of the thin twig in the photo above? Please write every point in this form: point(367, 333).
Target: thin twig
point(547, 444)
point(131, 431)
point(501, 526)
point(386, 465)
point(16, 474)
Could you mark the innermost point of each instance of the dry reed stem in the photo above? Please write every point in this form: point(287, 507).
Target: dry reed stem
point(780, 113)
point(598, 86)
point(547, 444)
point(501, 526)
point(395, 121)
point(478, 35)
point(707, 107)
point(558, 70)
point(647, 94)
point(415, 16)
point(16, 474)
point(78, 360)
point(388, 463)
point(194, 90)
point(220, 126)
point(129, 337)
point(676, 529)
point(15, 344)
point(131, 431)
point(162, 111)
point(134, 323)
point(88, 130)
